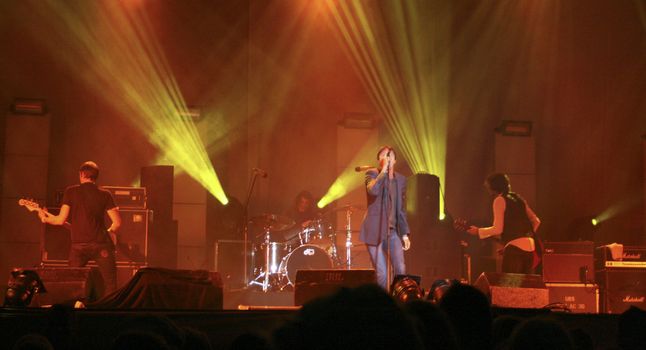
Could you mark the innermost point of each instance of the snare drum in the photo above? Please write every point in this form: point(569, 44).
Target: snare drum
point(305, 257)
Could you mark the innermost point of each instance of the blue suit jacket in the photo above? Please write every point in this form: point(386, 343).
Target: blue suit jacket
point(375, 224)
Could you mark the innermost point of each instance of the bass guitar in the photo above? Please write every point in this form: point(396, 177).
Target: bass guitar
point(31, 205)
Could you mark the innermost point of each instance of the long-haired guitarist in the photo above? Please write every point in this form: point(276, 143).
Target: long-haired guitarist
point(514, 221)
point(85, 205)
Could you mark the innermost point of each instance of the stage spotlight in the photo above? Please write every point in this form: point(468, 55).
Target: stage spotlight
point(405, 288)
point(22, 286)
point(594, 222)
point(438, 288)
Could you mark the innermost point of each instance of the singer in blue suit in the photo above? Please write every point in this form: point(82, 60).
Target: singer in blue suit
point(385, 226)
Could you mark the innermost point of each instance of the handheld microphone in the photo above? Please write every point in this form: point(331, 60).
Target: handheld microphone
point(260, 172)
point(361, 168)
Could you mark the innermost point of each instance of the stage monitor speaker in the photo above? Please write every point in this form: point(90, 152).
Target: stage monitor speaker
point(125, 270)
point(575, 297)
point(312, 284)
point(568, 262)
point(65, 285)
point(621, 289)
point(514, 290)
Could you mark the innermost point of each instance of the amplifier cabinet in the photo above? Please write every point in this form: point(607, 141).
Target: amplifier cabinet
point(630, 255)
point(575, 297)
point(621, 289)
point(568, 262)
point(132, 241)
point(128, 197)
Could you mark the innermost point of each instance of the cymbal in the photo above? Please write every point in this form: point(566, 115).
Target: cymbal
point(346, 231)
point(350, 207)
point(272, 222)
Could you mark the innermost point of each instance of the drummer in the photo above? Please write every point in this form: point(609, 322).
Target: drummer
point(303, 210)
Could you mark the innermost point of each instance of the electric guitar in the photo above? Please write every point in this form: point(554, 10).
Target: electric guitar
point(33, 206)
point(462, 225)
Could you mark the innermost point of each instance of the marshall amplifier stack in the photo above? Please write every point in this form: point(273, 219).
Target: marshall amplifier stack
point(621, 271)
point(568, 273)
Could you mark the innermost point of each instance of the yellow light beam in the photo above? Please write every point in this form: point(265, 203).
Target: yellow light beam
point(118, 56)
point(401, 51)
point(349, 179)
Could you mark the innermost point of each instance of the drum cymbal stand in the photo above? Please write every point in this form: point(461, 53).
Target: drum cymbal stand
point(348, 239)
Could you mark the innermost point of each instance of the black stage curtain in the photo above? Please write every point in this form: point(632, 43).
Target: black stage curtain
point(157, 288)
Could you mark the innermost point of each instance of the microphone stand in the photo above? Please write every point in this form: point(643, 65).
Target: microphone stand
point(386, 197)
point(245, 227)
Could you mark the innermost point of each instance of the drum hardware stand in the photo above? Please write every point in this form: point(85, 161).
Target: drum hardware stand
point(264, 275)
point(245, 227)
point(348, 239)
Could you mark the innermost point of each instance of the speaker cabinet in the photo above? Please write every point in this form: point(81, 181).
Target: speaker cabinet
point(622, 289)
point(158, 181)
point(312, 284)
point(435, 252)
point(513, 290)
point(68, 284)
point(422, 201)
point(568, 262)
point(575, 297)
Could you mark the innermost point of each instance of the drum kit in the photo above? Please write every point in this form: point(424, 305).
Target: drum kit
point(282, 248)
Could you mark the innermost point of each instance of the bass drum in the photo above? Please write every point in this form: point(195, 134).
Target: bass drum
point(305, 257)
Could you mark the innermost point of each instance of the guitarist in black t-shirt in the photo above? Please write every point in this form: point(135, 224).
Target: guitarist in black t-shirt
point(85, 205)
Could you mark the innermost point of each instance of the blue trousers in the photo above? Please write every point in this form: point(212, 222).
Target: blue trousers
point(378, 256)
